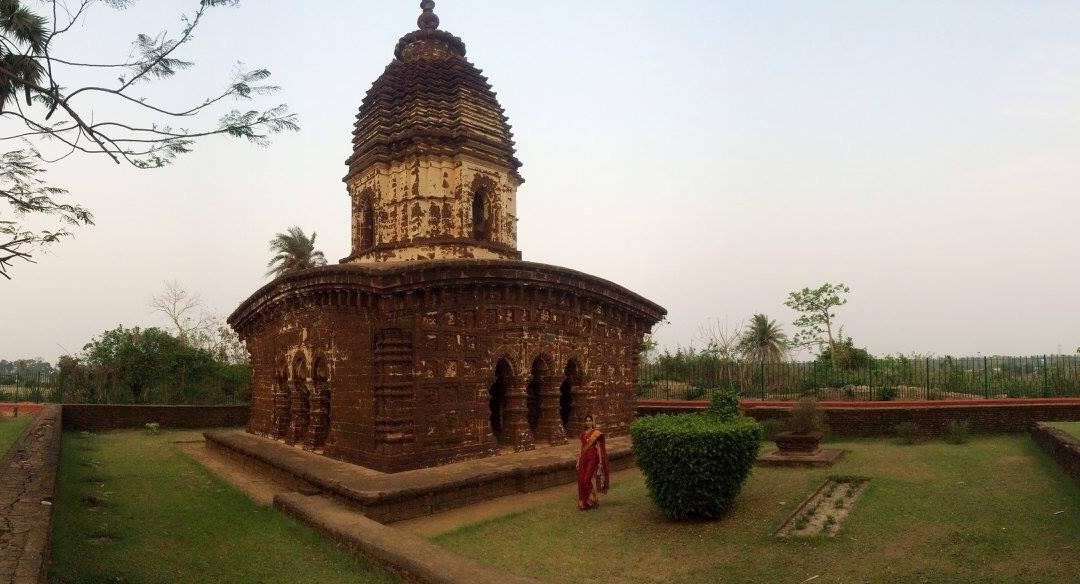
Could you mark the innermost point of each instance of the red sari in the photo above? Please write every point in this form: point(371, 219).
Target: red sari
point(592, 466)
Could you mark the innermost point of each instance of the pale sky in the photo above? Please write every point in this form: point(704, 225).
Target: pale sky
point(711, 156)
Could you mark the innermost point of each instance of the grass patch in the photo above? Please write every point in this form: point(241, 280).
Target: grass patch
point(132, 508)
point(988, 512)
point(10, 428)
point(1070, 427)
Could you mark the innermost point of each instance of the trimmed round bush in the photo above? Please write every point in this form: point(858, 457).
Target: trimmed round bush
point(695, 464)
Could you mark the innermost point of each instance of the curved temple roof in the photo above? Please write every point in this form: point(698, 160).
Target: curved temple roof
point(431, 100)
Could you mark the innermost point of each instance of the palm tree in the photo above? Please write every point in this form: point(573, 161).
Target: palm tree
point(763, 341)
point(294, 251)
point(19, 66)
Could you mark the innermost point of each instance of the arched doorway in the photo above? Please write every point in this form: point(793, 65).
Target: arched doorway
point(320, 406)
point(571, 382)
point(480, 223)
point(300, 403)
point(497, 398)
point(539, 370)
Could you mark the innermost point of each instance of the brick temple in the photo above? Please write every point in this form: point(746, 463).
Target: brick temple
point(433, 342)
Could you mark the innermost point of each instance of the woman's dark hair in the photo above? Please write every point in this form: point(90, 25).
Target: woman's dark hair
point(589, 417)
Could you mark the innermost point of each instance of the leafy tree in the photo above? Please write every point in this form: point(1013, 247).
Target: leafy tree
point(817, 321)
point(109, 116)
point(763, 340)
point(293, 250)
point(26, 368)
point(131, 364)
point(848, 357)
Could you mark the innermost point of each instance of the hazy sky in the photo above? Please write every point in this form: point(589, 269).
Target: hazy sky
point(711, 156)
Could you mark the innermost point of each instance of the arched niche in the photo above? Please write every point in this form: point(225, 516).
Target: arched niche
point(498, 394)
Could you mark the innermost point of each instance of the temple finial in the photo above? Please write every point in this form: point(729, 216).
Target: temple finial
point(428, 20)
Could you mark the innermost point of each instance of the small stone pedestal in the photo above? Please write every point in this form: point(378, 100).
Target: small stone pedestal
point(799, 450)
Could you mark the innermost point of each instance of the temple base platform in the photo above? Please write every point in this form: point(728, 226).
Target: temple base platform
point(388, 498)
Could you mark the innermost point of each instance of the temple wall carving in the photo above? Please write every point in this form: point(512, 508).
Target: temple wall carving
point(426, 208)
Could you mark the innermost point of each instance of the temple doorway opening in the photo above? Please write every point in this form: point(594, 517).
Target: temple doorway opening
point(497, 399)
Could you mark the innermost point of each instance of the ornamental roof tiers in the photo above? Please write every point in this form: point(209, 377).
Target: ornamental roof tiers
point(434, 173)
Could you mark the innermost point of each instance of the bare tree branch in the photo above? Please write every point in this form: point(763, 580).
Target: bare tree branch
point(28, 52)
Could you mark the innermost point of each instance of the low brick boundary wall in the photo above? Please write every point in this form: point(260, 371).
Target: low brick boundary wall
point(869, 419)
point(101, 417)
point(27, 490)
point(1062, 447)
point(10, 409)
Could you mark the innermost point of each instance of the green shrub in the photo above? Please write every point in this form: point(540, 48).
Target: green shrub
point(695, 464)
point(887, 393)
point(153, 428)
point(724, 404)
point(807, 417)
point(957, 432)
point(907, 432)
point(771, 428)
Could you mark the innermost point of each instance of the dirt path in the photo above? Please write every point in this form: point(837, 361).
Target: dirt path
point(433, 525)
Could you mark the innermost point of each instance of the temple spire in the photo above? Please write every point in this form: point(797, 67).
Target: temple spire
point(428, 20)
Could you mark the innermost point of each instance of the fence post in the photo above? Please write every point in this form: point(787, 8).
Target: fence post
point(927, 396)
point(870, 379)
point(762, 380)
point(1046, 379)
point(986, 380)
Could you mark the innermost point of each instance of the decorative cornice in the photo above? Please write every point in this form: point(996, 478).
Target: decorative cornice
point(400, 278)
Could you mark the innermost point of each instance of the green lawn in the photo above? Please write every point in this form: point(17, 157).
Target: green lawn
point(992, 510)
point(132, 508)
point(1070, 427)
point(10, 428)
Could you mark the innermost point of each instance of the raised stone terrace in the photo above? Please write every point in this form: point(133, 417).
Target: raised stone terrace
point(388, 498)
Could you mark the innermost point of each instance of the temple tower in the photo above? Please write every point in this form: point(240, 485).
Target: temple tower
point(433, 174)
point(433, 342)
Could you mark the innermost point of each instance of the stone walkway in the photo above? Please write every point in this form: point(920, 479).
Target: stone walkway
point(27, 487)
point(396, 497)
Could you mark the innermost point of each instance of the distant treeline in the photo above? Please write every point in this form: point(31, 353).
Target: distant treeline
point(134, 365)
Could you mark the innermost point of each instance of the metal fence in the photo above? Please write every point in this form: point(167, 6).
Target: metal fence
point(51, 388)
point(891, 378)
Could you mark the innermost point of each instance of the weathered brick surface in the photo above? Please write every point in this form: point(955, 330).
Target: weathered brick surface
point(1062, 447)
point(27, 489)
point(395, 367)
point(100, 417)
point(871, 419)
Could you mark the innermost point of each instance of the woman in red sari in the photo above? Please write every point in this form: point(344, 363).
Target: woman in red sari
point(592, 466)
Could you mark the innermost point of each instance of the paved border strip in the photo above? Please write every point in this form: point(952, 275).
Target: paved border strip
point(411, 557)
point(28, 475)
